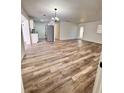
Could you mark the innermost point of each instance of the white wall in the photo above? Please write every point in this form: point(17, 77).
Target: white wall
point(31, 24)
point(68, 31)
point(40, 28)
point(24, 13)
point(25, 30)
point(90, 32)
point(22, 47)
point(22, 55)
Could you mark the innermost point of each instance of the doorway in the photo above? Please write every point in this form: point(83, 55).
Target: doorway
point(25, 31)
point(81, 32)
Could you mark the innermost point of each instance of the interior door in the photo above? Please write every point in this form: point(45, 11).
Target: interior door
point(81, 32)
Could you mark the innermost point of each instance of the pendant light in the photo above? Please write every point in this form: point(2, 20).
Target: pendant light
point(55, 18)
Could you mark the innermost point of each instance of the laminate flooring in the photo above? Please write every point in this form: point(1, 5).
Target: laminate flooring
point(60, 67)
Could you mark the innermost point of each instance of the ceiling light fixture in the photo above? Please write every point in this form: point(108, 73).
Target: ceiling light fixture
point(55, 18)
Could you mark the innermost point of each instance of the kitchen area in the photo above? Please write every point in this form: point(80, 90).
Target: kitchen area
point(41, 31)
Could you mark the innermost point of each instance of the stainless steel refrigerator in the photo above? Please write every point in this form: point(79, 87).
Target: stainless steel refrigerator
point(50, 33)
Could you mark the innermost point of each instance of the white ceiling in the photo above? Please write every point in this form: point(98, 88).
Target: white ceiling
point(68, 10)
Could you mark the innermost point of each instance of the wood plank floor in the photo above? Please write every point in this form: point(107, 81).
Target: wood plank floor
point(61, 67)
